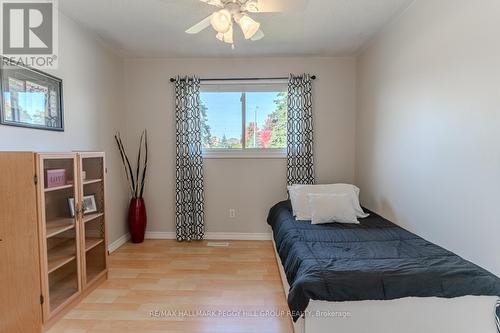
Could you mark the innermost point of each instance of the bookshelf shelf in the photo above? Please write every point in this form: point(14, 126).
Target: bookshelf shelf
point(61, 254)
point(58, 188)
point(91, 217)
point(56, 227)
point(91, 181)
point(90, 243)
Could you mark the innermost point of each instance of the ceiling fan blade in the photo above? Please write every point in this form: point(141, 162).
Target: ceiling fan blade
point(217, 3)
point(273, 6)
point(202, 25)
point(258, 36)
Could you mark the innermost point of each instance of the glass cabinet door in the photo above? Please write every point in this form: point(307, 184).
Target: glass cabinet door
point(92, 172)
point(60, 237)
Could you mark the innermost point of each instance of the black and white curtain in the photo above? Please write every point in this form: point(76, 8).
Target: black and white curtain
point(189, 161)
point(497, 315)
point(300, 157)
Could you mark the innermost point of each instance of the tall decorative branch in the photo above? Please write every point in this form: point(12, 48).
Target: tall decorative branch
point(126, 163)
point(143, 180)
point(136, 184)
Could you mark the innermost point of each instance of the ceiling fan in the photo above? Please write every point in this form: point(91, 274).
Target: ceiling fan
point(238, 11)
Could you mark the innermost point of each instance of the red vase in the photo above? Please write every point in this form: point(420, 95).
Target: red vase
point(137, 220)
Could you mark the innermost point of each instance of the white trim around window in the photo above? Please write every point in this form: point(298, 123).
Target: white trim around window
point(268, 153)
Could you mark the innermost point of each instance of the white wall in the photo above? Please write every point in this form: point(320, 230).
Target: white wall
point(249, 186)
point(428, 129)
point(92, 78)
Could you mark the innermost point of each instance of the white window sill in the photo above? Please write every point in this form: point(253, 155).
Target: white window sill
point(244, 153)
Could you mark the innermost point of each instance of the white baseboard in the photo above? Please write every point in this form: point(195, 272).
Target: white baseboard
point(237, 236)
point(117, 243)
point(213, 235)
point(208, 236)
point(159, 235)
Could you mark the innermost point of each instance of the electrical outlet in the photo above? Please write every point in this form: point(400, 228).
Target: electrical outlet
point(232, 213)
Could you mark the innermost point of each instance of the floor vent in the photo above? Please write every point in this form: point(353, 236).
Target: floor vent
point(218, 244)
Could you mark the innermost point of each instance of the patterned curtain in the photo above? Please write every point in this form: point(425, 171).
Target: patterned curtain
point(189, 161)
point(300, 160)
point(497, 315)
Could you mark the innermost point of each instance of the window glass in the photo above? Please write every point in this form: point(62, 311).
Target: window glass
point(221, 116)
point(244, 117)
point(265, 125)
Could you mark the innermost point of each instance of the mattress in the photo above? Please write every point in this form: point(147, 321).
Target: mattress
point(375, 260)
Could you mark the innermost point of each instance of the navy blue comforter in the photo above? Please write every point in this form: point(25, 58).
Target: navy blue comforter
point(375, 260)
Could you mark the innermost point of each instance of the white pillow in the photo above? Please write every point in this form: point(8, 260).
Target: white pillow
point(300, 204)
point(328, 208)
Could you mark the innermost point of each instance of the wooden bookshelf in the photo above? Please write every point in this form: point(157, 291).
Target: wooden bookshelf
point(72, 248)
point(43, 242)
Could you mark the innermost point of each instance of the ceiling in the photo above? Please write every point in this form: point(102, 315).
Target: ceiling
point(155, 28)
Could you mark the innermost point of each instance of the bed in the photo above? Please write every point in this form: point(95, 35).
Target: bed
point(376, 275)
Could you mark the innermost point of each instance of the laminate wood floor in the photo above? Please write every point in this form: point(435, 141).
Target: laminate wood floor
point(166, 286)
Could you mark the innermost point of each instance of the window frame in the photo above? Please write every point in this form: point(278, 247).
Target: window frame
point(243, 152)
point(239, 153)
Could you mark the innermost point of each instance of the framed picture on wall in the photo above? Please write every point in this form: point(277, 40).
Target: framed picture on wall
point(30, 98)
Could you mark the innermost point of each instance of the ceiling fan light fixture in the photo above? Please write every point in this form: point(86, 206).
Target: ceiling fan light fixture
point(217, 3)
point(251, 6)
point(226, 37)
point(258, 36)
point(221, 21)
point(248, 25)
point(232, 12)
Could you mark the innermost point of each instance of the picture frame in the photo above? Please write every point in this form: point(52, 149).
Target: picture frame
point(30, 98)
point(89, 205)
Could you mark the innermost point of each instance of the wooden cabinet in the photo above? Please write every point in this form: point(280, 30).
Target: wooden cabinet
point(63, 194)
point(20, 310)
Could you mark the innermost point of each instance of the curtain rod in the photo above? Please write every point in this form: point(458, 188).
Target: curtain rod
point(246, 79)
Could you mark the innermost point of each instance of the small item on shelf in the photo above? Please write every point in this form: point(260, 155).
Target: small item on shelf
point(89, 205)
point(55, 177)
point(84, 175)
point(71, 206)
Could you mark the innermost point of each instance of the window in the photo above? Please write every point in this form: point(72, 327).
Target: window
point(244, 119)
